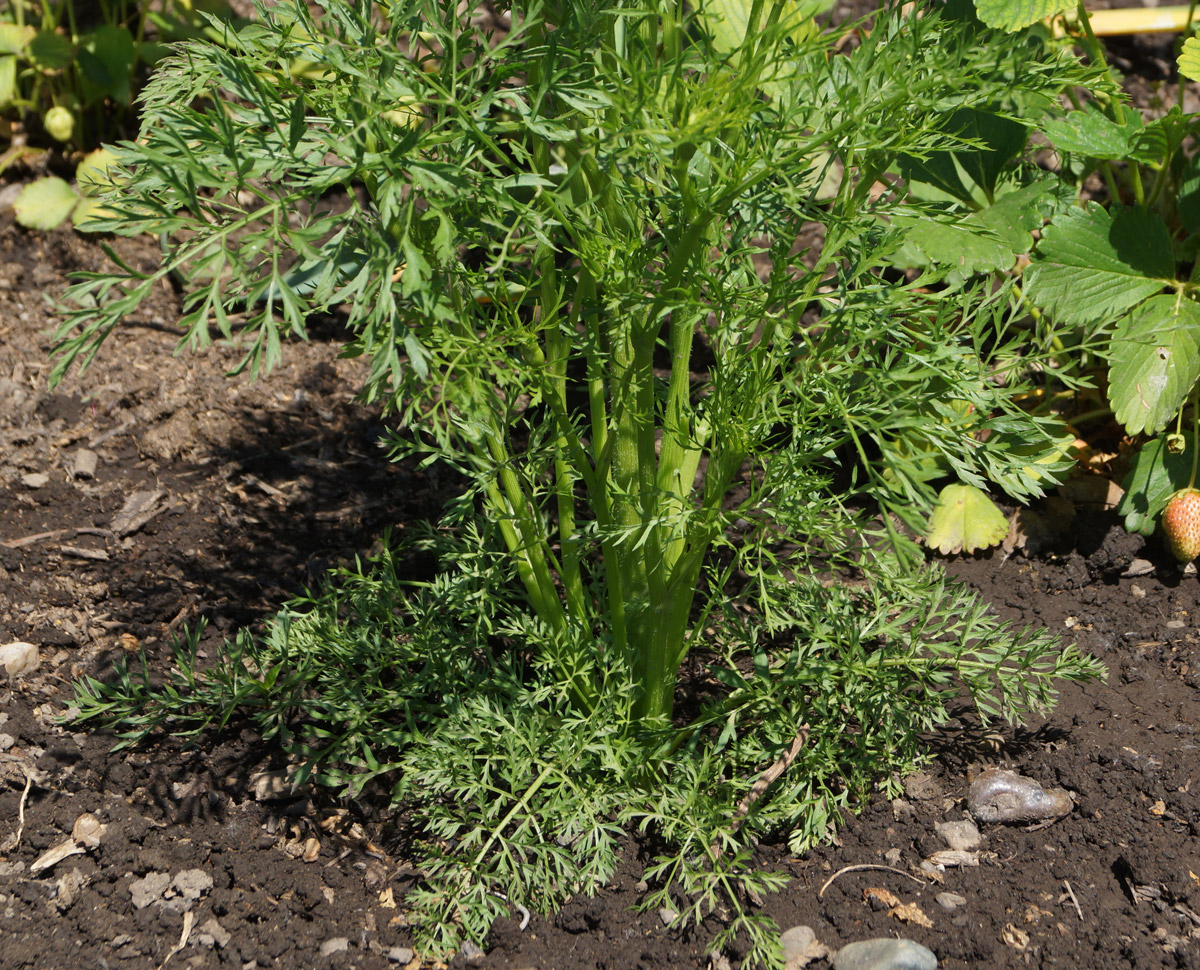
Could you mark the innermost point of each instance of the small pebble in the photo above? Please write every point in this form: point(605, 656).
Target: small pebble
point(1005, 796)
point(961, 834)
point(950, 901)
point(400, 954)
point(339, 944)
point(6, 741)
point(884, 954)
point(1139, 567)
point(892, 857)
point(667, 915)
point(212, 934)
point(86, 462)
point(35, 480)
point(471, 952)
point(1137, 592)
point(1175, 624)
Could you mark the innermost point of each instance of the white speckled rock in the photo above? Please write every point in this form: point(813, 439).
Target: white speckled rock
point(18, 658)
point(884, 954)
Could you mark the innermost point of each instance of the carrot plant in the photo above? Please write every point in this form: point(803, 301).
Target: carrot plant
point(570, 253)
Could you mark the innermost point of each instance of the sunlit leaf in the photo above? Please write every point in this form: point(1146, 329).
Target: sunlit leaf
point(1095, 264)
point(1189, 59)
point(965, 520)
point(1155, 361)
point(45, 204)
point(1018, 14)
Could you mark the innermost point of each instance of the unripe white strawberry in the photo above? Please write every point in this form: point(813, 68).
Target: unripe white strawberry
point(59, 123)
point(1181, 524)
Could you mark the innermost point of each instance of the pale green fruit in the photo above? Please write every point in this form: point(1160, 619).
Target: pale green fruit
point(59, 123)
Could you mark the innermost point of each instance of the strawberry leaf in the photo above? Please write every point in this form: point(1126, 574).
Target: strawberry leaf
point(1189, 59)
point(1014, 15)
point(964, 520)
point(1155, 475)
point(1154, 362)
point(1092, 133)
point(1095, 264)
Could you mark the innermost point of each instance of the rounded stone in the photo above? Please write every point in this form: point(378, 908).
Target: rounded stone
point(884, 954)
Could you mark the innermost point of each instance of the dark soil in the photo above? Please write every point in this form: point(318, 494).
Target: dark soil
point(267, 485)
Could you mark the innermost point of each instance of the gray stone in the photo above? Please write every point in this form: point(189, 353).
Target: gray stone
point(339, 944)
point(961, 835)
point(400, 954)
point(471, 952)
point(192, 883)
point(801, 947)
point(667, 915)
point(35, 480)
point(149, 888)
point(950, 901)
point(18, 658)
point(6, 741)
point(884, 954)
point(796, 942)
point(1005, 796)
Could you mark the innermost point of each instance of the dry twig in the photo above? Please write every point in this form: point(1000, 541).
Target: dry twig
point(867, 865)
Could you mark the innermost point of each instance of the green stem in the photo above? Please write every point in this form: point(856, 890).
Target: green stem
point(1195, 435)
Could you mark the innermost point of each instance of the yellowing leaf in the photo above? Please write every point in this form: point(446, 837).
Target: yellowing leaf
point(1189, 59)
point(45, 203)
point(964, 520)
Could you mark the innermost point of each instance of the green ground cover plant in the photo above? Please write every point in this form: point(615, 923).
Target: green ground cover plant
point(634, 272)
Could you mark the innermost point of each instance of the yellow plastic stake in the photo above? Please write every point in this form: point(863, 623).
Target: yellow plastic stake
point(1133, 20)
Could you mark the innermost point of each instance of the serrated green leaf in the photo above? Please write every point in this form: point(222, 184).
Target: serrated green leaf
point(50, 51)
point(1154, 362)
point(727, 21)
point(1154, 476)
point(1095, 264)
point(45, 204)
point(970, 173)
point(14, 39)
point(1018, 14)
point(1187, 200)
point(8, 79)
point(964, 520)
point(1092, 133)
point(1161, 137)
point(1189, 59)
point(962, 247)
point(94, 171)
point(107, 55)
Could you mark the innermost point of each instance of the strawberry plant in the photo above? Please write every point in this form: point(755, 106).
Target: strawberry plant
point(69, 64)
point(569, 253)
point(1115, 277)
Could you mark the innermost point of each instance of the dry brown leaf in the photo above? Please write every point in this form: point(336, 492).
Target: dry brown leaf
point(888, 898)
point(1158, 808)
point(1017, 939)
point(312, 849)
point(911, 913)
point(387, 899)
